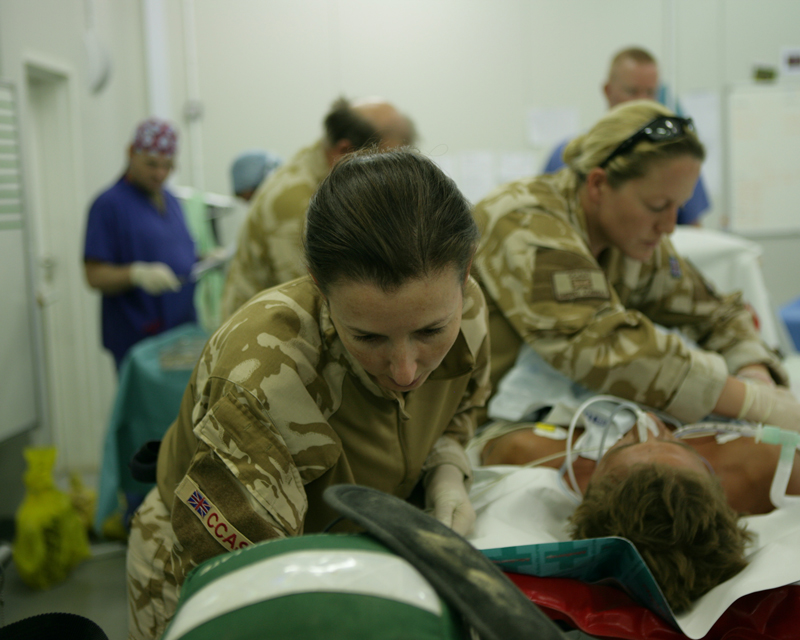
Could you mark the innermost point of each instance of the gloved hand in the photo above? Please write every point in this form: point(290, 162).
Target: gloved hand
point(220, 254)
point(154, 277)
point(770, 405)
point(447, 496)
point(756, 373)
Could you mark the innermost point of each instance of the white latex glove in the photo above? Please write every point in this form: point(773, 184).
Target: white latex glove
point(756, 373)
point(447, 496)
point(154, 277)
point(770, 405)
point(220, 254)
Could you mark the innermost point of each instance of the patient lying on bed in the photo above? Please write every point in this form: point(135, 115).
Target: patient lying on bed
point(677, 501)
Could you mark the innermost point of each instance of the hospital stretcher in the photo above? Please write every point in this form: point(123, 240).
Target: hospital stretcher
point(520, 509)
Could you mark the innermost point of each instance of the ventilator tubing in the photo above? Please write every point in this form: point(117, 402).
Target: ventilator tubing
point(789, 441)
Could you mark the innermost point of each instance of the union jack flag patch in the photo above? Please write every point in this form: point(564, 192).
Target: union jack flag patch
point(198, 502)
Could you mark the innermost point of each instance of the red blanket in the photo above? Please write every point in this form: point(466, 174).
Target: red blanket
point(608, 612)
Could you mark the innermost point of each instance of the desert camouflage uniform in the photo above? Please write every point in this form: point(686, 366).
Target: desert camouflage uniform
point(276, 411)
point(270, 249)
point(594, 321)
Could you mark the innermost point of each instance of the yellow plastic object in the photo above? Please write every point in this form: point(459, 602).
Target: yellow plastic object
point(83, 499)
point(552, 431)
point(50, 535)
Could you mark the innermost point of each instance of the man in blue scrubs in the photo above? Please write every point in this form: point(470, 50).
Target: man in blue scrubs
point(633, 75)
point(139, 253)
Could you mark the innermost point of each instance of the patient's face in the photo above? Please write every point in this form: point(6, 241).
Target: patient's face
point(663, 449)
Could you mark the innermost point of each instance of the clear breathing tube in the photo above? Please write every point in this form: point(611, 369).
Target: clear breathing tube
point(789, 441)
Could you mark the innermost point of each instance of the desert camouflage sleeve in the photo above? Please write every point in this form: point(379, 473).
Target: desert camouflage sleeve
point(556, 296)
point(261, 435)
point(675, 294)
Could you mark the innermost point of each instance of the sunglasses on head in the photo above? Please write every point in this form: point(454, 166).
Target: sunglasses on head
point(658, 130)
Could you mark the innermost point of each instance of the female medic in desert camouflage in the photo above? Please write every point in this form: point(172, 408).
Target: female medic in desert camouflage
point(367, 371)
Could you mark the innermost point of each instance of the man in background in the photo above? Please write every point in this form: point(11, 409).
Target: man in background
point(633, 75)
point(249, 170)
point(270, 247)
point(138, 251)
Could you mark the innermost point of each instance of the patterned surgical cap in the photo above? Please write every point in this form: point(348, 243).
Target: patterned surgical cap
point(156, 137)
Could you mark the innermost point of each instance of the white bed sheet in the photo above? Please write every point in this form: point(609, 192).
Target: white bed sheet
point(520, 506)
point(732, 263)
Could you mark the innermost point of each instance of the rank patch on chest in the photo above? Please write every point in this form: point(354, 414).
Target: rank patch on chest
point(579, 284)
point(674, 267)
point(206, 511)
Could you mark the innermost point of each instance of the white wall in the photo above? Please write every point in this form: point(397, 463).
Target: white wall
point(73, 145)
point(467, 71)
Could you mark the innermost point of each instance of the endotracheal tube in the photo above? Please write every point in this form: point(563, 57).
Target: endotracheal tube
point(787, 440)
point(608, 408)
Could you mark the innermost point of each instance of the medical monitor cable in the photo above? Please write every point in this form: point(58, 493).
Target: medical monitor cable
point(485, 486)
point(644, 425)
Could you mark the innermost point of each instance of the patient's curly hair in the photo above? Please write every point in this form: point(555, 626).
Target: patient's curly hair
point(679, 521)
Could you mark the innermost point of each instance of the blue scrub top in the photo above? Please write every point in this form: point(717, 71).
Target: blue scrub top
point(124, 226)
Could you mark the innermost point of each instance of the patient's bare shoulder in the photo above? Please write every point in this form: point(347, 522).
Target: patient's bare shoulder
point(745, 469)
point(520, 447)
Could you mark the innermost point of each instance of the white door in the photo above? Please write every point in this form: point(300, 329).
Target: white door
point(80, 379)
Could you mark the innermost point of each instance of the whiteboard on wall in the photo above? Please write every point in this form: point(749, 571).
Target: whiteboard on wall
point(764, 158)
point(18, 407)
